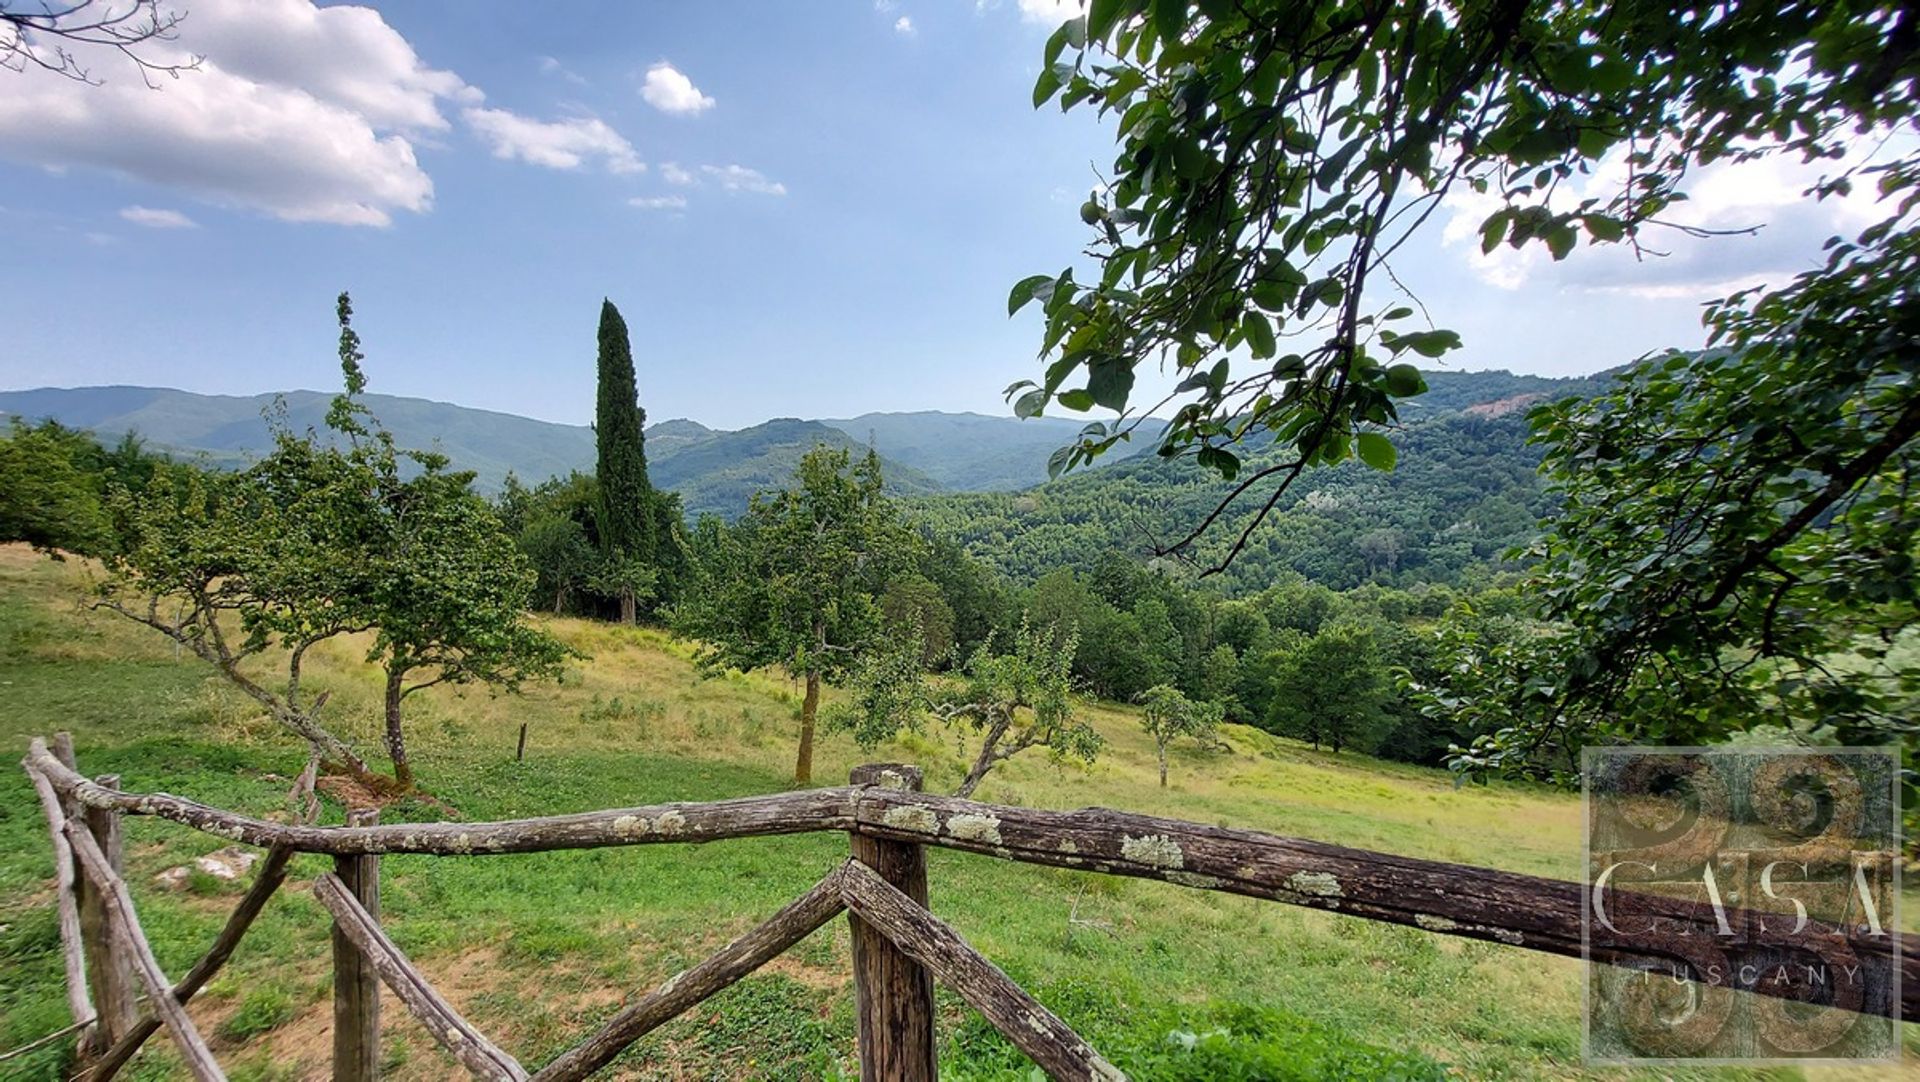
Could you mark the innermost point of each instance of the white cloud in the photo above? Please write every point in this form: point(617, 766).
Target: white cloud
point(551, 66)
point(1052, 12)
point(307, 114)
point(348, 56)
point(671, 92)
point(659, 202)
point(738, 178)
point(556, 144)
point(904, 26)
point(673, 173)
point(1768, 193)
point(154, 218)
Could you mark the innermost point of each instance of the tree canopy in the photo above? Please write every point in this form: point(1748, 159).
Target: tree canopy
point(1274, 155)
point(797, 582)
point(636, 525)
point(320, 539)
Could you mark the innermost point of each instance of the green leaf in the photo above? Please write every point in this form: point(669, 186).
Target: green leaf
point(1226, 463)
point(1602, 228)
point(1023, 291)
point(1377, 451)
point(1259, 335)
point(1430, 343)
point(1030, 404)
point(1110, 381)
point(1561, 239)
point(1079, 401)
point(1046, 86)
point(1170, 19)
point(1103, 14)
point(1059, 41)
point(1058, 460)
point(1404, 380)
point(1492, 232)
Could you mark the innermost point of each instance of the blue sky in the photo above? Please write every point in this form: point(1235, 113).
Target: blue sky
point(803, 209)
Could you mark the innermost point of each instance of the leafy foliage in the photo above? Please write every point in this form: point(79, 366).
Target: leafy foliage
point(633, 534)
point(1739, 538)
point(1273, 155)
point(51, 491)
point(317, 541)
point(1167, 715)
point(1332, 689)
point(1018, 698)
point(797, 582)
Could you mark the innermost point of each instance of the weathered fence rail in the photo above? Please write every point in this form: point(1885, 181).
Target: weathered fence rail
point(900, 947)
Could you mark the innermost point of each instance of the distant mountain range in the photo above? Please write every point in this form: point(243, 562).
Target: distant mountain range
point(924, 452)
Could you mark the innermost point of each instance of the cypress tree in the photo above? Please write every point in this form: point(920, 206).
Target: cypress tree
point(626, 510)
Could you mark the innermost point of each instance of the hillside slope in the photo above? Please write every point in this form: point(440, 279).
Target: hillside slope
point(718, 474)
point(1466, 489)
point(972, 452)
point(712, 470)
point(925, 452)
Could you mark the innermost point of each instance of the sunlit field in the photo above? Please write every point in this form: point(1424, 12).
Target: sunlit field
point(537, 950)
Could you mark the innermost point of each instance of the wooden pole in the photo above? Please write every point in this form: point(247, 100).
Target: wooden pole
point(893, 993)
point(123, 924)
point(1021, 1018)
point(66, 900)
point(520, 752)
point(690, 986)
point(110, 976)
point(356, 984)
point(479, 1056)
point(272, 871)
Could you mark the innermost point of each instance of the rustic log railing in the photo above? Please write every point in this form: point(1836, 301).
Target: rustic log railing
point(899, 946)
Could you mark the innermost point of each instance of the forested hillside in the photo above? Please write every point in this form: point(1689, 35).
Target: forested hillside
point(1465, 490)
point(971, 452)
point(718, 474)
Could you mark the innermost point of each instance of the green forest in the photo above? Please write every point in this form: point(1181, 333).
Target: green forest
point(1253, 552)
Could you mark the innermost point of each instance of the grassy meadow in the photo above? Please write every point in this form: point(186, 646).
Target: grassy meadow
point(538, 949)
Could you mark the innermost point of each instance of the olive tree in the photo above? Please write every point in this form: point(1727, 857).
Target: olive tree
point(319, 540)
point(797, 582)
point(1013, 699)
point(1168, 715)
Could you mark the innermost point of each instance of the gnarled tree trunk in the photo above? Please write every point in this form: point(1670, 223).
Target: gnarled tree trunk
point(809, 707)
point(989, 754)
point(396, 737)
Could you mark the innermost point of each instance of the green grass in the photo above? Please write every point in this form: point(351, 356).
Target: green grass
point(538, 949)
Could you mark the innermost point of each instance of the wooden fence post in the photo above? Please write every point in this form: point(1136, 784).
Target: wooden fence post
point(356, 984)
point(109, 972)
point(894, 993)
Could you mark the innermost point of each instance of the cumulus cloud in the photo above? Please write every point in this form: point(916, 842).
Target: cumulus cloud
point(1774, 230)
point(307, 114)
point(348, 56)
point(155, 218)
point(659, 202)
point(671, 92)
point(1051, 12)
point(556, 144)
point(738, 178)
point(675, 173)
point(904, 26)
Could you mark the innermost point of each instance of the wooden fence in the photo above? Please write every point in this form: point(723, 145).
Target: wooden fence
point(899, 947)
